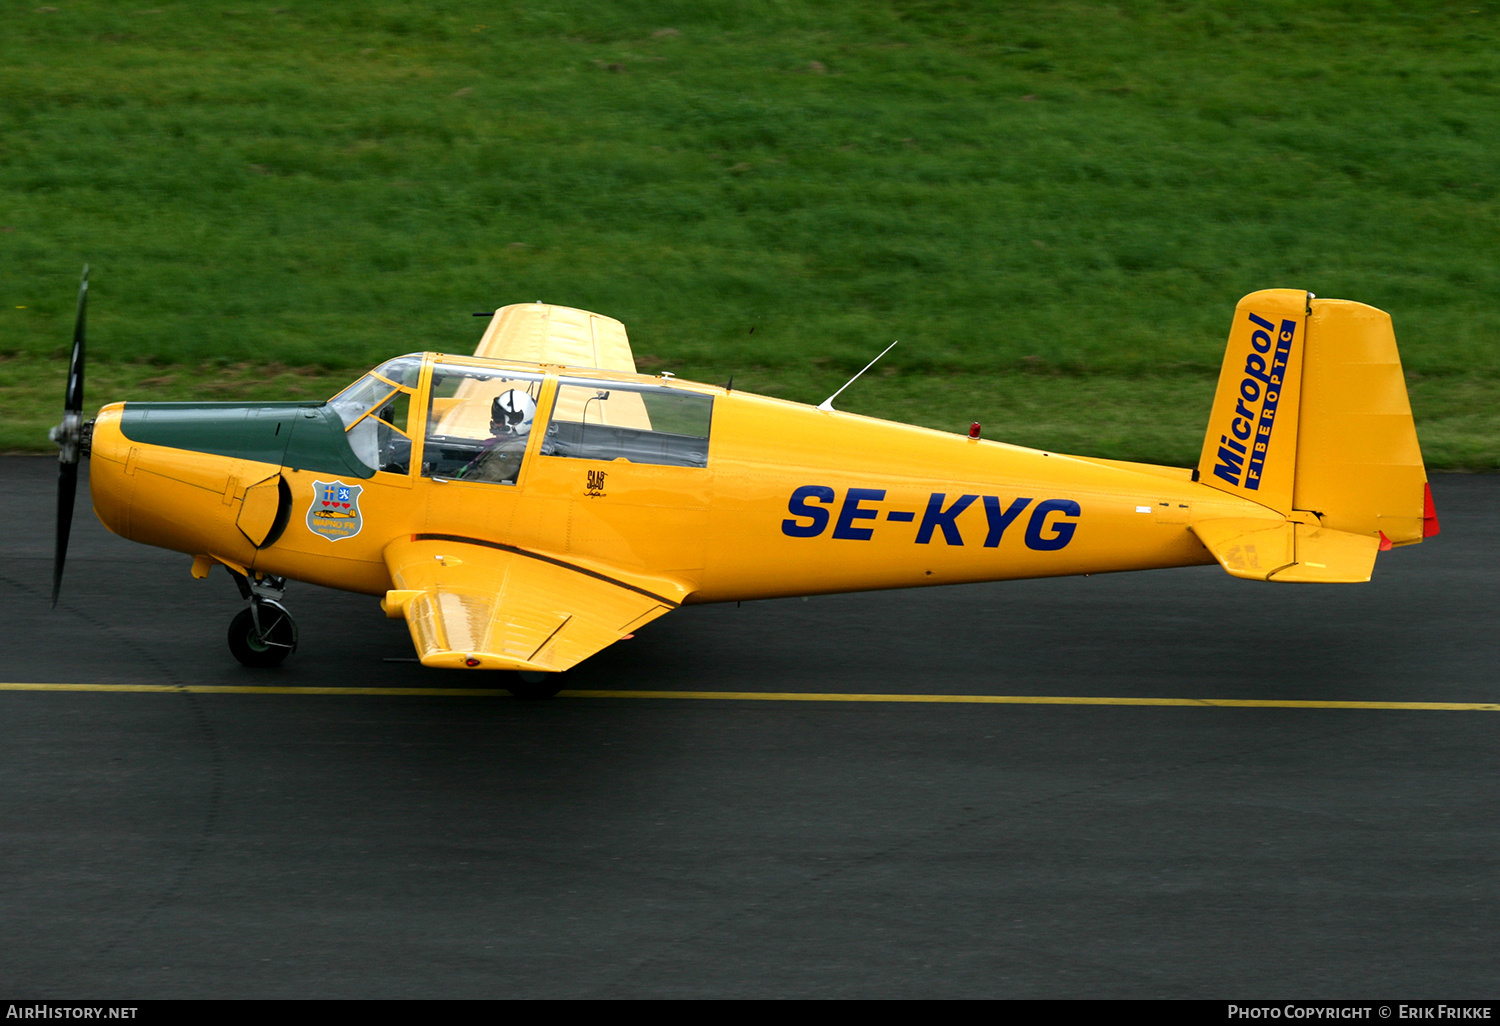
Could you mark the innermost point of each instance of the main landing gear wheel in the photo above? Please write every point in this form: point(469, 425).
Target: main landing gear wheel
point(263, 635)
point(532, 686)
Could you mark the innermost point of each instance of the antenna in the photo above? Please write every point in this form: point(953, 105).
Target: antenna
point(827, 404)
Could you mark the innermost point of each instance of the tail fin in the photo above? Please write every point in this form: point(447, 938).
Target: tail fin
point(1251, 446)
point(1311, 420)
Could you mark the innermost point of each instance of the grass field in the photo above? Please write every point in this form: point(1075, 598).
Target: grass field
point(1054, 206)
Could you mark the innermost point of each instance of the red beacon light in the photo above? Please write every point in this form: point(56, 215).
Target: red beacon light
point(974, 430)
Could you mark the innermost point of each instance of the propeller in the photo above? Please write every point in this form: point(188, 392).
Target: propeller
point(69, 436)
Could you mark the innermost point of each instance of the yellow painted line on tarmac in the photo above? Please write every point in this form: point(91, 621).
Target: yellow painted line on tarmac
point(237, 689)
point(794, 696)
point(776, 696)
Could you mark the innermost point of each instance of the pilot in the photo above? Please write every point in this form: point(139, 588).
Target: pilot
point(499, 460)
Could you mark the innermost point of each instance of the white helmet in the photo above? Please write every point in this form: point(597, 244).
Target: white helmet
point(512, 412)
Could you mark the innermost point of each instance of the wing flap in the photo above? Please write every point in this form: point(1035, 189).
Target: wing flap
point(541, 333)
point(475, 605)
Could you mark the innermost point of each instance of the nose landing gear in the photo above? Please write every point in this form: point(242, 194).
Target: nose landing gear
point(263, 635)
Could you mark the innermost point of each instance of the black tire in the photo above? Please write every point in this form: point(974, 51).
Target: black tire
point(261, 651)
point(535, 686)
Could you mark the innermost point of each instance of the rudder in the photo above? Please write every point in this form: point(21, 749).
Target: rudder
point(1359, 466)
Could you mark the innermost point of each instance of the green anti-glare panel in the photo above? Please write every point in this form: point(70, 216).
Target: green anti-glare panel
point(301, 436)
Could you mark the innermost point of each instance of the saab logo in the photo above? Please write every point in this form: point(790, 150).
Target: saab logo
point(814, 504)
point(1244, 448)
point(595, 487)
point(334, 513)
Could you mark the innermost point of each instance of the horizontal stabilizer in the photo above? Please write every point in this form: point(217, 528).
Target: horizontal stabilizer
point(1271, 550)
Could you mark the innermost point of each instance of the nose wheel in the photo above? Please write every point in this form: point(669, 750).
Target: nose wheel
point(264, 634)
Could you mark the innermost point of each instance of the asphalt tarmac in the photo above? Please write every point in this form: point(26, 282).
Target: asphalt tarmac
point(187, 844)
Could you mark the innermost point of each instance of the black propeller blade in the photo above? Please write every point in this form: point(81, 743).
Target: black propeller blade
point(69, 438)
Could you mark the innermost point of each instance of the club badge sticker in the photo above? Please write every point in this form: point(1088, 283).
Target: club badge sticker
point(334, 513)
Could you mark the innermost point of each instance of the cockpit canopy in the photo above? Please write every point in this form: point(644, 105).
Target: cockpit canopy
point(477, 419)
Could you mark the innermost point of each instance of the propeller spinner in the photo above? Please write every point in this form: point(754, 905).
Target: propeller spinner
point(72, 441)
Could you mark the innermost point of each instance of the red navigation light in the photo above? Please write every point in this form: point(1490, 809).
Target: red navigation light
point(471, 661)
point(974, 430)
point(1385, 543)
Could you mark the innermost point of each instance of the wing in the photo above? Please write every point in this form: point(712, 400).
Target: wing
point(539, 333)
point(472, 604)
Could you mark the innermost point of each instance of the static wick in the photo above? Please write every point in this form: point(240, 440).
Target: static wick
point(827, 404)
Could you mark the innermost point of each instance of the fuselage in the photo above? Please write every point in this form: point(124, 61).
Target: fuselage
point(790, 499)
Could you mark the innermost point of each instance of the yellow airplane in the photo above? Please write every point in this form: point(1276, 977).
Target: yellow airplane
point(530, 504)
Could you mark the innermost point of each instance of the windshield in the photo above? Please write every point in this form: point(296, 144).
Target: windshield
point(374, 410)
point(362, 396)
